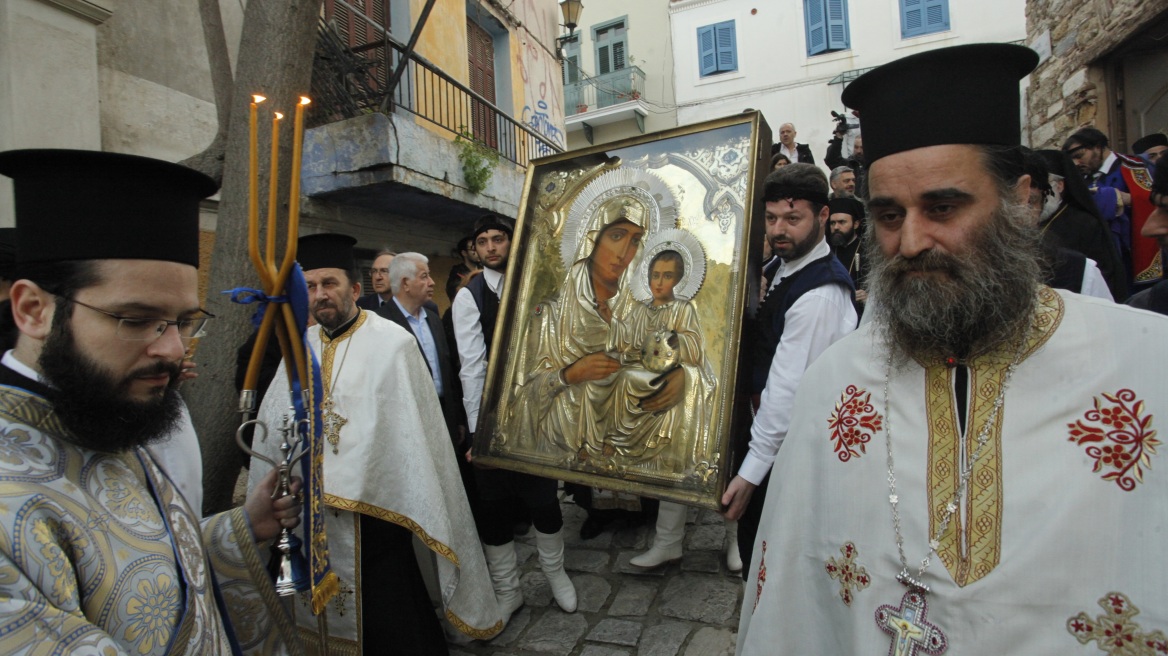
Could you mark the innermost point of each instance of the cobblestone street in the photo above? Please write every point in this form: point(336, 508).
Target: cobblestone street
point(687, 610)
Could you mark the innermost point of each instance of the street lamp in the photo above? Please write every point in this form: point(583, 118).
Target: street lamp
point(571, 11)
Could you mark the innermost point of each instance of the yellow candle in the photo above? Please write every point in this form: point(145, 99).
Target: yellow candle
point(297, 148)
point(272, 189)
point(253, 206)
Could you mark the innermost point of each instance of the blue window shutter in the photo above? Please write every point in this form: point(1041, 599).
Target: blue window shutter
point(707, 51)
point(837, 25)
point(912, 18)
point(936, 15)
point(813, 14)
point(919, 17)
point(726, 46)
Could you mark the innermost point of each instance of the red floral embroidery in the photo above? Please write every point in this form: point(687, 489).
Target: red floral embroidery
point(1119, 436)
point(853, 422)
point(1115, 632)
point(761, 575)
point(849, 573)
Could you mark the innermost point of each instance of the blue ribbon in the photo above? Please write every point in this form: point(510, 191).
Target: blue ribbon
point(315, 547)
point(249, 295)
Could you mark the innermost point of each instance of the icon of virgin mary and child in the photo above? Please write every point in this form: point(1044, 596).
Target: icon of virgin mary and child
point(614, 371)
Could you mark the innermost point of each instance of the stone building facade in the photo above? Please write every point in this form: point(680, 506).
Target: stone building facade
point(1103, 64)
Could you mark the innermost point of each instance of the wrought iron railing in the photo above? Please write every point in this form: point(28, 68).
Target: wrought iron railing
point(351, 81)
point(602, 91)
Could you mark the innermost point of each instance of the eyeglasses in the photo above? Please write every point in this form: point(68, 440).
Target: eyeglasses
point(382, 272)
point(141, 329)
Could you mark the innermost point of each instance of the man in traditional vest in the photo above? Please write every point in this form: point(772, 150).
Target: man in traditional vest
point(475, 310)
point(809, 307)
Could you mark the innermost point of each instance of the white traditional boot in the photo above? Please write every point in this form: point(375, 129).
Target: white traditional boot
point(733, 557)
point(551, 561)
point(504, 569)
point(667, 543)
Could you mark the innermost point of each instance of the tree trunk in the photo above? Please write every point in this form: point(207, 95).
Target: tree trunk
point(275, 60)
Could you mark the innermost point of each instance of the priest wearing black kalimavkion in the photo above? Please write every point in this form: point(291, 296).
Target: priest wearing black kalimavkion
point(977, 469)
point(388, 469)
point(99, 551)
point(845, 225)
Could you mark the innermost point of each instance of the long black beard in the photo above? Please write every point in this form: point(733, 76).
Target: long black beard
point(984, 303)
point(95, 406)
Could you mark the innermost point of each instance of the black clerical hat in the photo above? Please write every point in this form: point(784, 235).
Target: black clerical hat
point(491, 222)
point(960, 95)
point(846, 206)
point(7, 251)
point(1146, 142)
point(92, 205)
point(326, 251)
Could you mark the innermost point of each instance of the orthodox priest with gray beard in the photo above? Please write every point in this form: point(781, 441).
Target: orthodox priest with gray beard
point(969, 472)
point(390, 477)
point(99, 552)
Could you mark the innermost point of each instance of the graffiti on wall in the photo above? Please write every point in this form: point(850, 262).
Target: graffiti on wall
point(543, 95)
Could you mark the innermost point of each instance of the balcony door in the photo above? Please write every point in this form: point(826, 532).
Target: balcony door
point(480, 48)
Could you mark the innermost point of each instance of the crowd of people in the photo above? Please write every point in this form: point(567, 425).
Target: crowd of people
point(942, 366)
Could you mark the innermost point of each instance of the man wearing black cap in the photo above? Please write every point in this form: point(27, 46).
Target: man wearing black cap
point(807, 308)
point(963, 471)
point(1151, 147)
point(1119, 185)
point(1069, 219)
point(475, 310)
point(390, 475)
point(843, 221)
point(101, 553)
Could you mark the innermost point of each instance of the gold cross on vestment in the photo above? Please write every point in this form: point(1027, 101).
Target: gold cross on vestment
point(333, 423)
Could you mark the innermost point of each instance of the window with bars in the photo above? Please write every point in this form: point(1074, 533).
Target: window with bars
point(826, 23)
point(919, 17)
point(611, 42)
point(717, 48)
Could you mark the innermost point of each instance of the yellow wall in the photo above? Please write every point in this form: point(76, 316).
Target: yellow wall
point(536, 88)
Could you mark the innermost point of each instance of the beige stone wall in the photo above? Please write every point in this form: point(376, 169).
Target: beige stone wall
point(1069, 90)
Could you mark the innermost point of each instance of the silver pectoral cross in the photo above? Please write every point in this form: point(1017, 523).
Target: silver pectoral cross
point(911, 633)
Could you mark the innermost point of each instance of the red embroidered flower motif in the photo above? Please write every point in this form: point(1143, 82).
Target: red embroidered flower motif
point(849, 573)
point(761, 575)
point(1115, 632)
point(1119, 438)
point(853, 422)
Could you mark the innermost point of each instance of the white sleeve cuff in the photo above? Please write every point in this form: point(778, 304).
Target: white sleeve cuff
point(754, 469)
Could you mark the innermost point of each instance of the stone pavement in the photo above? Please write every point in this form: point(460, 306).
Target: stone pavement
point(686, 610)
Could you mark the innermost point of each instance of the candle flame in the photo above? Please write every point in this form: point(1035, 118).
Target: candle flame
point(279, 116)
point(258, 98)
point(304, 100)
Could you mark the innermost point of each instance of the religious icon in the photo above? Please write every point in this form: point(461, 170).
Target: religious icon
point(621, 320)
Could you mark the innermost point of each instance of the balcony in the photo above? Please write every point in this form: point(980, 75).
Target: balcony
point(386, 144)
point(604, 99)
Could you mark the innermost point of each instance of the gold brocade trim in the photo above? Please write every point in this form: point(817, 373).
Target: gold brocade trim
point(477, 634)
point(971, 548)
point(336, 646)
point(329, 351)
point(1154, 271)
point(24, 407)
point(285, 626)
point(395, 518)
